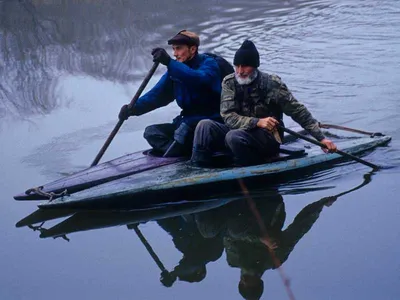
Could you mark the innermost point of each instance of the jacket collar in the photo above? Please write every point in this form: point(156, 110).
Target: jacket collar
point(194, 62)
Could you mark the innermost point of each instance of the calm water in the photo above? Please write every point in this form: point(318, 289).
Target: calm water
point(66, 68)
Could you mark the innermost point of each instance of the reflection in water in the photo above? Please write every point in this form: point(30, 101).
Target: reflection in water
point(196, 248)
point(339, 57)
point(245, 245)
point(27, 79)
point(42, 40)
point(250, 230)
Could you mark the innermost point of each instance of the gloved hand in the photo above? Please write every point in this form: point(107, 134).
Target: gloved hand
point(167, 278)
point(161, 56)
point(125, 112)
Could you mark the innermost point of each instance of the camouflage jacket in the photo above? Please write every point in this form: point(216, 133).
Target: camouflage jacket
point(267, 96)
point(248, 253)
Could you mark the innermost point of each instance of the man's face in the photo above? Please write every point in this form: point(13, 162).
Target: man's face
point(244, 71)
point(184, 53)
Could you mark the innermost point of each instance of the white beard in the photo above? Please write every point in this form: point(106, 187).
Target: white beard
point(249, 79)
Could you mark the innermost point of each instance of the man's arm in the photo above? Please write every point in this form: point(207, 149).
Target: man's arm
point(160, 95)
point(207, 74)
point(229, 109)
point(301, 225)
point(294, 109)
point(299, 113)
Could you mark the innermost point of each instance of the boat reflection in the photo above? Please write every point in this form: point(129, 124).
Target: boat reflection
point(250, 228)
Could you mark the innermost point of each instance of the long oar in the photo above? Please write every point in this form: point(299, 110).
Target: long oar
point(167, 278)
point(367, 180)
point(323, 146)
point(120, 122)
point(328, 126)
point(264, 234)
point(148, 247)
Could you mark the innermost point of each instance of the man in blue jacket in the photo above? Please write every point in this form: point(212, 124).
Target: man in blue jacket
point(194, 81)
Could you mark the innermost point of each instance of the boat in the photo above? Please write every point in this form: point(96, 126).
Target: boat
point(181, 180)
point(44, 215)
point(81, 220)
point(92, 220)
point(85, 220)
point(126, 165)
point(117, 168)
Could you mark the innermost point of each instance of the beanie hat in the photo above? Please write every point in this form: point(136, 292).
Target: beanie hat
point(247, 55)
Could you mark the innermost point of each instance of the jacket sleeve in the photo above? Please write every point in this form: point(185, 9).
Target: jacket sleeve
point(297, 111)
point(302, 224)
point(160, 95)
point(207, 74)
point(229, 108)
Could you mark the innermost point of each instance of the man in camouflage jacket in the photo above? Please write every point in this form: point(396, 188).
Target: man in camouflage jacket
point(252, 106)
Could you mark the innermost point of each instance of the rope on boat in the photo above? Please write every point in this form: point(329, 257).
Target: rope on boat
point(50, 195)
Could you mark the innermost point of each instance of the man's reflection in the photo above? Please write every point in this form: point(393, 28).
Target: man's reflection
point(246, 244)
point(197, 250)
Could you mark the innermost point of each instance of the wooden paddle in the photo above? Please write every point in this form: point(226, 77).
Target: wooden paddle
point(300, 136)
point(328, 126)
point(120, 122)
point(266, 239)
point(167, 278)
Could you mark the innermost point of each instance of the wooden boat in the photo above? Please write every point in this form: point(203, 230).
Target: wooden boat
point(92, 220)
point(120, 167)
point(126, 165)
point(181, 180)
point(85, 220)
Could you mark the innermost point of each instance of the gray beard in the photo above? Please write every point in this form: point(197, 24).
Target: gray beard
point(249, 79)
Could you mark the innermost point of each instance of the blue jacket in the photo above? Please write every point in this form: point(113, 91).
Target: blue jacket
point(195, 85)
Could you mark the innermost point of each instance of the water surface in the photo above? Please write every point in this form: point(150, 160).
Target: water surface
point(67, 67)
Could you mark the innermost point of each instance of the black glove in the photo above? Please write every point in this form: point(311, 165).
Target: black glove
point(167, 278)
point(161, 56)
point(125, 113)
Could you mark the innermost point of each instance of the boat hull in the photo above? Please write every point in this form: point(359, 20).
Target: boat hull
point(120, 167)
point(175, 180)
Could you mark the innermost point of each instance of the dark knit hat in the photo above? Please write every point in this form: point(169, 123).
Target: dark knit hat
point(251, 292)
point(247, 55)
point(185, 37)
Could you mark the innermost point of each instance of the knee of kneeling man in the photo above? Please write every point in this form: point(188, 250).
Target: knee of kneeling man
point(149, 131)
point(204, 124)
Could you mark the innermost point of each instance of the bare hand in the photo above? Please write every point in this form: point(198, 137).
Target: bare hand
point(330, 146)
point(268, 123)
